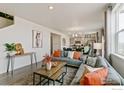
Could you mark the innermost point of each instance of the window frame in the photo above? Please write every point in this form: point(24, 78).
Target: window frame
point(117, 35)
point(117, 30)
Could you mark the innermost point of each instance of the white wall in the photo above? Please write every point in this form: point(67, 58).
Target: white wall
point(21, 32)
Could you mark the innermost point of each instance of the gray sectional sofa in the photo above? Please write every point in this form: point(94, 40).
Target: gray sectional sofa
point(113, 78)
point(73, 62)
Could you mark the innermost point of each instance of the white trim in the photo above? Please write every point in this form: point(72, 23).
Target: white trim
point(117, 6)
point(116, 30)
point(117, 34)
point(113, 31)
point(118, 55)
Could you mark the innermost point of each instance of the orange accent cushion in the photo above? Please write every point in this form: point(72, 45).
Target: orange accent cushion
point(88, 69)
point(96, 78)
point(76, 55)
point(57, 53)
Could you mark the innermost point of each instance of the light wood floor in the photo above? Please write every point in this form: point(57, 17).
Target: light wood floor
point(8, 79)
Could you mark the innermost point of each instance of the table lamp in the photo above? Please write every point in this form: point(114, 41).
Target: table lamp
point(98, 47)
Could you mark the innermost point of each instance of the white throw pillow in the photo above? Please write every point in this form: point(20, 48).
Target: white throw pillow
point(92, 69)
point(70, 54)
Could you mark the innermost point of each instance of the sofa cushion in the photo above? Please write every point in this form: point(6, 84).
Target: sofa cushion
point(83, 58)
point(73, 62)
point(70, 54)
point(62, 53)
point(65, 53)
point(100, 62)
point(96, 78)
point(77, 55)
point(57, 53)
point(60, 59)
point(88, 69)
point(113, 78)
point(68, 60)
point(91, 61)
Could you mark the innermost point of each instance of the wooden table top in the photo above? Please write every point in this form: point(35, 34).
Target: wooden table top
point(48, 73)
point(28, 53)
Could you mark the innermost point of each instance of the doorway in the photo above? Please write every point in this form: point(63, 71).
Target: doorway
point(55, 41)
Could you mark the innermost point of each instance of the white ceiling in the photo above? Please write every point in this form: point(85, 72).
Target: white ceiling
point(65, 17)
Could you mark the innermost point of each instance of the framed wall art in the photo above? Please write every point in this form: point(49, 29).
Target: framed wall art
point(37, 39)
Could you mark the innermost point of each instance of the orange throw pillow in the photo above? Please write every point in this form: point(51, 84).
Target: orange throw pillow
point(76, 55)
point(57, 53)
point(96, 78)
point(88, 69)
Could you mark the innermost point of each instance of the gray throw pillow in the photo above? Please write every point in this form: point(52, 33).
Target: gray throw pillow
point(91, 61)
point(83, 58)
point(65, 53)
point(113, 78)
point(62, 53)
point(100, 62)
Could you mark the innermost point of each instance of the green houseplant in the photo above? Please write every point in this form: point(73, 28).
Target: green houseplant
point(10, 48)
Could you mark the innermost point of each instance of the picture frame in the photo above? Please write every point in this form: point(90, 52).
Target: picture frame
point(37, 39)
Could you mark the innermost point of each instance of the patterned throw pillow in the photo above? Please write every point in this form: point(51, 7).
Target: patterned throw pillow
point(91, 61)
point(87, 69)
point(97, 77)
point(94, 76)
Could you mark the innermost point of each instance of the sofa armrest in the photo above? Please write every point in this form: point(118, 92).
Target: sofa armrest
point(78, 75)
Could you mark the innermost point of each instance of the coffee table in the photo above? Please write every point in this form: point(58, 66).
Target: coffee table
point(56, 73)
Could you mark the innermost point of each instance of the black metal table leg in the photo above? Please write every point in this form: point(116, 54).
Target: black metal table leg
point(48, 81)
point(33, 78)
point(62, 78)
point(53, 82)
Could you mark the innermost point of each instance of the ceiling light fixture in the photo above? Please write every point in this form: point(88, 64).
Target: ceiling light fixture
point(50, 7)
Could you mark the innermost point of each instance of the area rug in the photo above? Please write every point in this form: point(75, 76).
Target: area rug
point(28, 79)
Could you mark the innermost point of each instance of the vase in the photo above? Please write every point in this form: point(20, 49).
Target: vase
point(48, 65)
point(11, 53)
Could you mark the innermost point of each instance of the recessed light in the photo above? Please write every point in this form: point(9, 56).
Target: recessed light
point(50, 7)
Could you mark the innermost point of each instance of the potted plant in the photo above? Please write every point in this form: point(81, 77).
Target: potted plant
point(10, 48)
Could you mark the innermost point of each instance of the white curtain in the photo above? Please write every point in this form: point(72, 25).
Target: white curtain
point(108, 32)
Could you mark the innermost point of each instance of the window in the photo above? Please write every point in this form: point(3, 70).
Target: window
point(120, 43)
point(120, 31)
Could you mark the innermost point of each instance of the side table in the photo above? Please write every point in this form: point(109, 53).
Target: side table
point(12, 57)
